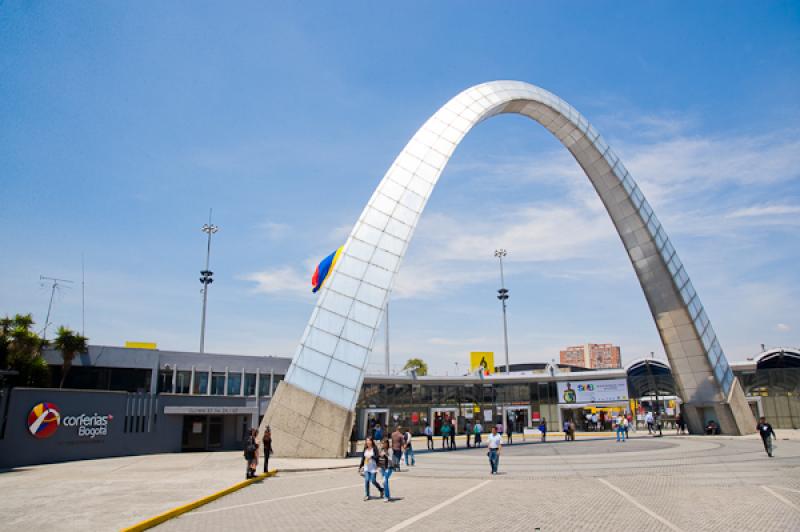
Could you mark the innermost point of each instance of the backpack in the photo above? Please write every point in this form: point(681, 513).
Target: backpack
point(250, 449)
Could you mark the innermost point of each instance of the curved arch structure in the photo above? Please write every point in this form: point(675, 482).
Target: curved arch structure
point(311, 413)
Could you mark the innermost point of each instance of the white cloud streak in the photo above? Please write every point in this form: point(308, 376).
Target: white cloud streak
point(765, 210)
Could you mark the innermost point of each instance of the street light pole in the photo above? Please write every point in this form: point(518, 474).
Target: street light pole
point(503, 297)
point(206, 279)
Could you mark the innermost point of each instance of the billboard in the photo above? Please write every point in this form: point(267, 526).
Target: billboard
point(481, 359)
point(599, 391)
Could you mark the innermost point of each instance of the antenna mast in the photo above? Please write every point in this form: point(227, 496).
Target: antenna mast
point(55, 282)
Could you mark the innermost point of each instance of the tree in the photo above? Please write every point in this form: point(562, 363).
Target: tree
point(70, 344)
point(416, 364)
point(21, 351)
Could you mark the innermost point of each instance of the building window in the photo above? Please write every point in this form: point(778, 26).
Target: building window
point(200, 382)
point(182, 381)
point(263, 386)
point(165, 381)
point(234, 383)
point(217, 384)
point(250, 384)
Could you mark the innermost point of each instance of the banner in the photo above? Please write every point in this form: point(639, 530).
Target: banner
point(600, 391)
point(481, 359)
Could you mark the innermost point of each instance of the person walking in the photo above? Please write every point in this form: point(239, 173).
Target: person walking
point(468, 431)
point(409, 449)
point(378, 434)
point(267, 445)
point(495, 444)
point(397, 442)
point(543, 429)
point(445, 434)
point(620, 424)
point(478, 431)
point(452, 434)
point(510, 433)
point(369, 467)
point(429, 435)
point(251, 454)
point(626, 425)
point(566, 430)
point(767, 434)
point(572, 430)
point(680, 424)
point(387, 457)
point(594, 421)
point(648, 418)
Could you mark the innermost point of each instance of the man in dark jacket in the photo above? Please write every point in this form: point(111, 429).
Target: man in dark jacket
point(766, 433)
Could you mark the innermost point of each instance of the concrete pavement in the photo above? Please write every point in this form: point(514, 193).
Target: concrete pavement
point(671, 484)
point(112, 493)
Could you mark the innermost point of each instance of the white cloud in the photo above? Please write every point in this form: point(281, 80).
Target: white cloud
point(764, 210)
point(275, 230)
point(782, 327)
point(284, 280)
point(679, 167)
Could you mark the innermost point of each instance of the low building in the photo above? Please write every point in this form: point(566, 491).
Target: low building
point(120, 401)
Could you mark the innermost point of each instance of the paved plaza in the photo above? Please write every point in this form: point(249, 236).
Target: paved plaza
point(671, 483)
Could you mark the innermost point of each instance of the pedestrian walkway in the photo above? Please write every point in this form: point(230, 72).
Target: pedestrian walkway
point(112, 493)
point(658, 481)
point(660, 484)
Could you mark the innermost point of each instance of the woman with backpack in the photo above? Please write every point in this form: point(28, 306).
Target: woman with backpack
point(251, 454)
point(369, 467)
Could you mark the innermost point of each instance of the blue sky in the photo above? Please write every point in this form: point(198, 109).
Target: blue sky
point(121, 124)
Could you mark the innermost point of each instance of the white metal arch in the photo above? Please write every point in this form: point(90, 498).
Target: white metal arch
point(331, 358)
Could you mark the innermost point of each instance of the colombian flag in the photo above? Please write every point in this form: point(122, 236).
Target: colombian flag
point(324, 269)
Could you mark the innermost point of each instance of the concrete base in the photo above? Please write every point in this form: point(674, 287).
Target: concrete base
point(734, 416)
point(737, 404)
point(304, 425)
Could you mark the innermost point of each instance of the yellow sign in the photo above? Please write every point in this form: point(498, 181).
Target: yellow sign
point(482, 359)
point(140, 345)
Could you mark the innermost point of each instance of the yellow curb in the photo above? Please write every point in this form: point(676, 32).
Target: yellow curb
point(175, 512)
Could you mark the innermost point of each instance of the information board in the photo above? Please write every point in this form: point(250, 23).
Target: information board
point(599, 391)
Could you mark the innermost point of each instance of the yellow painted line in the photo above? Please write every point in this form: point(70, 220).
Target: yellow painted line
point(175, 512)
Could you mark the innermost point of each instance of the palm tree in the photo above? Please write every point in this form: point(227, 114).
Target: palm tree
point(70, 344)
point(20, 351)
point(416, 364)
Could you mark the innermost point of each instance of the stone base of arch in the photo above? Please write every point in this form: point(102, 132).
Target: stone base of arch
point(304, 425)
point(733, 415)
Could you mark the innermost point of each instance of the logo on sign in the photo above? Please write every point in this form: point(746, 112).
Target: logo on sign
point(43, 420)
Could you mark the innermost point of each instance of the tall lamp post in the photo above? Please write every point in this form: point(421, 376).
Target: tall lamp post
point(503, 296)
point(206, 279)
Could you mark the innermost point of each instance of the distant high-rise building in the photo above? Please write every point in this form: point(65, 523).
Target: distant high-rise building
point(594, 356)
